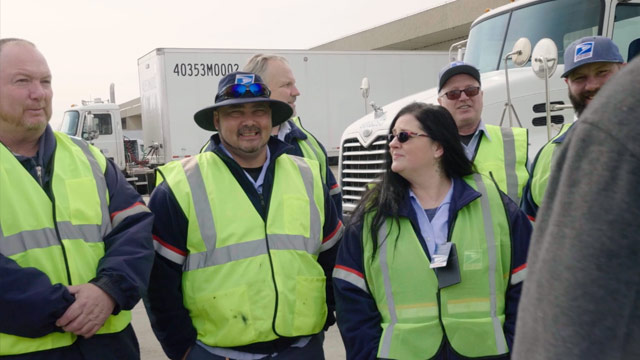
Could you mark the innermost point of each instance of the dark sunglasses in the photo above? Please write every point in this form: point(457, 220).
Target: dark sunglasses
point(235, 91)
point(471, 91)
point(404, 136)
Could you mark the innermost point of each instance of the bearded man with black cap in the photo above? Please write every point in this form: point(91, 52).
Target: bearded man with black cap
point(245, 239)
point(496, 151)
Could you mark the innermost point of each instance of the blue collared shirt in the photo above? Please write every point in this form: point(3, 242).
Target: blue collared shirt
point(256, 183)
point(470, 149)
point(435, 231)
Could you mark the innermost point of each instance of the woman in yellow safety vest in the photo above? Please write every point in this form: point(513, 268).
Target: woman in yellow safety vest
point(432, 263)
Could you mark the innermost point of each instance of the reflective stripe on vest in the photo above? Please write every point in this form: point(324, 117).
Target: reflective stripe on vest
point(311, 149)
point(237, 265)
point(244, 250)
point(81, 217)
point(542, 168)
point(505, 157)
point(44, 238)
point(385, 344)
point(410, 324)
point(491, 252)
point(472, 316)
point(98, 170)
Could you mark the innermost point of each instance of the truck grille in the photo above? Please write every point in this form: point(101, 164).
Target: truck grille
point(360, 166)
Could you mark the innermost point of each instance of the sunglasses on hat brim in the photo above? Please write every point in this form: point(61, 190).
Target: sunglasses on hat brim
point(235, 91)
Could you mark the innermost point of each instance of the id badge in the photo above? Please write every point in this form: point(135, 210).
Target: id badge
point(450, 274)
point(441, 256)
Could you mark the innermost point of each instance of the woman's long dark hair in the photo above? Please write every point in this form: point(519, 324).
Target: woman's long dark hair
point(385, 198)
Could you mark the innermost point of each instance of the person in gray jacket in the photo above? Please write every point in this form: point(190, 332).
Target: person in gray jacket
point(580, 300)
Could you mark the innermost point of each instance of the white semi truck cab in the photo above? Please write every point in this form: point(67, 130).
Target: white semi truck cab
point(74, 123)
point(99, 122)
point(491, 37)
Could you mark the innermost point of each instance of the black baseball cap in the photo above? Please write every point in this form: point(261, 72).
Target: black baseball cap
point(457, 68)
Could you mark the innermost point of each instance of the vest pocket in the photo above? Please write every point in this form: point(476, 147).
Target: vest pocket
point(224, 318)
point(311, 305)
point(84, 205)
point(474, 337)
point(411, 341)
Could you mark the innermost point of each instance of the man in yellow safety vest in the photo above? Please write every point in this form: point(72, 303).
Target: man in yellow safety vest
point(245, 239)
point(75, 237)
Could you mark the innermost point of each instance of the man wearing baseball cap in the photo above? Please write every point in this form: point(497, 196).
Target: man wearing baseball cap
point(589, 63)
point(245, 239)
point(499, 151)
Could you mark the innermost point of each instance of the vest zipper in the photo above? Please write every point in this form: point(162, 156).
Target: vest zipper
point(64, 252)
point(446, 344)
point(444, 332)
point(265, 206)
point(55, 220)
point(275, 284)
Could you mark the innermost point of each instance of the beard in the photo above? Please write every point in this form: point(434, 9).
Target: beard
point(579, 101)
point(25, 123)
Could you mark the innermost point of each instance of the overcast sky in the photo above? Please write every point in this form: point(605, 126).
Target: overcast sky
point(92, 43)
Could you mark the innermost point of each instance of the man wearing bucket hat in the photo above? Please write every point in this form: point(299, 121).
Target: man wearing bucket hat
point(589, 63)
point(245, 239)
point(499, 151)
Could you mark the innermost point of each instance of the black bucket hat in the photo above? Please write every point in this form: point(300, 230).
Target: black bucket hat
point(231, 92)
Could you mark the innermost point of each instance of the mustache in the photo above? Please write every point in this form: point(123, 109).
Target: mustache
point(588, 94)
point(37, 105)
point(249, 129)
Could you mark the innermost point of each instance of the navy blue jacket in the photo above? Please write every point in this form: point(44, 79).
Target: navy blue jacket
point(30, 304)
point(293, 138)
point(169, 318)
point(358, 317)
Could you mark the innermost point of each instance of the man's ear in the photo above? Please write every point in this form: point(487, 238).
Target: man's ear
point(216, 120)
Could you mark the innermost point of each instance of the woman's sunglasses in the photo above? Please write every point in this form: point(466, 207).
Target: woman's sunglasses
point(404, 136)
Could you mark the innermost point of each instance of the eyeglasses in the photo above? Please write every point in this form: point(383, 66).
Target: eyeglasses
point(471, 91)
point(404, 136)
point(235, 91)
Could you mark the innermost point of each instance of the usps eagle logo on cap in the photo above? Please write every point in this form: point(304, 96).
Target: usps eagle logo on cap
point(583, 51)
point(245, 79)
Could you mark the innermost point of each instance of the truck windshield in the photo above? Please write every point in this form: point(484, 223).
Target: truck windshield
point(561, 21)
point(625, 31)
point(70, 123)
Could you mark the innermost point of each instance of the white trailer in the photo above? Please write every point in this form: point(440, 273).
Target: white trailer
point(175, 83)
point(491, 37)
